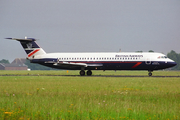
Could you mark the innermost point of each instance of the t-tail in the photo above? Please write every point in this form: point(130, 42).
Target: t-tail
point(30, 46)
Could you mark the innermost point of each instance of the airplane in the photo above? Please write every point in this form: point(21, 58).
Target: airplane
point(149, 61)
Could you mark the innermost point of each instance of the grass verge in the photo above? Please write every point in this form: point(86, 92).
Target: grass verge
point(60, 97)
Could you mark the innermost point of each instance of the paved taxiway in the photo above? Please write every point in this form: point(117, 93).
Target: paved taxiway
point(94, 75)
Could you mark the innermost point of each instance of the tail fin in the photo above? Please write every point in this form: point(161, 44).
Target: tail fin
point(30, 46)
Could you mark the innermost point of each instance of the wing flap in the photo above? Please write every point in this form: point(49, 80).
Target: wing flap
point(95, 65)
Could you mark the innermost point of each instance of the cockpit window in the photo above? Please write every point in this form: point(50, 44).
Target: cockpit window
point(162, 57)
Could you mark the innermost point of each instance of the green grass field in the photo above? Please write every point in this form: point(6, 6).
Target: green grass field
point(79, 98)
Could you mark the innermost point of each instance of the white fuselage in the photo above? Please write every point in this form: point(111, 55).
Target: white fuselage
point(107, 61)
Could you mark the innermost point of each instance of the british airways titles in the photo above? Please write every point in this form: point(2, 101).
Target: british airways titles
point(129, 56)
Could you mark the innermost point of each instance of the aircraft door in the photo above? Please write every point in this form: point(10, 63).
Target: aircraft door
point(148, 61)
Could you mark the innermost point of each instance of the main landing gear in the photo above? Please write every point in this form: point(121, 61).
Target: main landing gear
point(89, 73)
point(82, 72)
point(150, 73)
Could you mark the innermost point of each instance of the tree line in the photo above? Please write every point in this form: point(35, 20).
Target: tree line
point(31, 66)
point(172, 55)
point(176, 57)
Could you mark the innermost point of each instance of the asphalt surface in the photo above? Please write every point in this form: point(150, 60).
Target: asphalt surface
point(95, 75)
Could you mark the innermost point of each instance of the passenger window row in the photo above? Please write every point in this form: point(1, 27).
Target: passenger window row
point(100, 58)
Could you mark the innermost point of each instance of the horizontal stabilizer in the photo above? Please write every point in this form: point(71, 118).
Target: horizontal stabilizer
point(26, 39)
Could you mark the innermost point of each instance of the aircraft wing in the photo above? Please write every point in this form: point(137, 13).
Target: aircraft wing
point(73, 64)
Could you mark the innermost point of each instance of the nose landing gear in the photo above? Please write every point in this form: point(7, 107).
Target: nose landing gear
point(150, 73)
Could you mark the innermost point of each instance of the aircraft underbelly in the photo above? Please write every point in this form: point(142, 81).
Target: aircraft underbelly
point(135, 65)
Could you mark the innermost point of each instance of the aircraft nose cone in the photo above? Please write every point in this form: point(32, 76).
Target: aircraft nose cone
point(173, 64)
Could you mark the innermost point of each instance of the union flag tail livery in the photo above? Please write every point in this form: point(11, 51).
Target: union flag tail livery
point(95, 61)
point(30, 46)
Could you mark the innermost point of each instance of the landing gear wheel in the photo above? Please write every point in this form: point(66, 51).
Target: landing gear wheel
point(89, 72)
point(82, 72)
point(150, 74)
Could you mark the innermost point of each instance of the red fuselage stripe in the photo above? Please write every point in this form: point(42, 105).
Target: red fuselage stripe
point(137, 64)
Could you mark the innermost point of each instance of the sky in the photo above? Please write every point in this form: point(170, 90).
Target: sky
point(90, 25)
